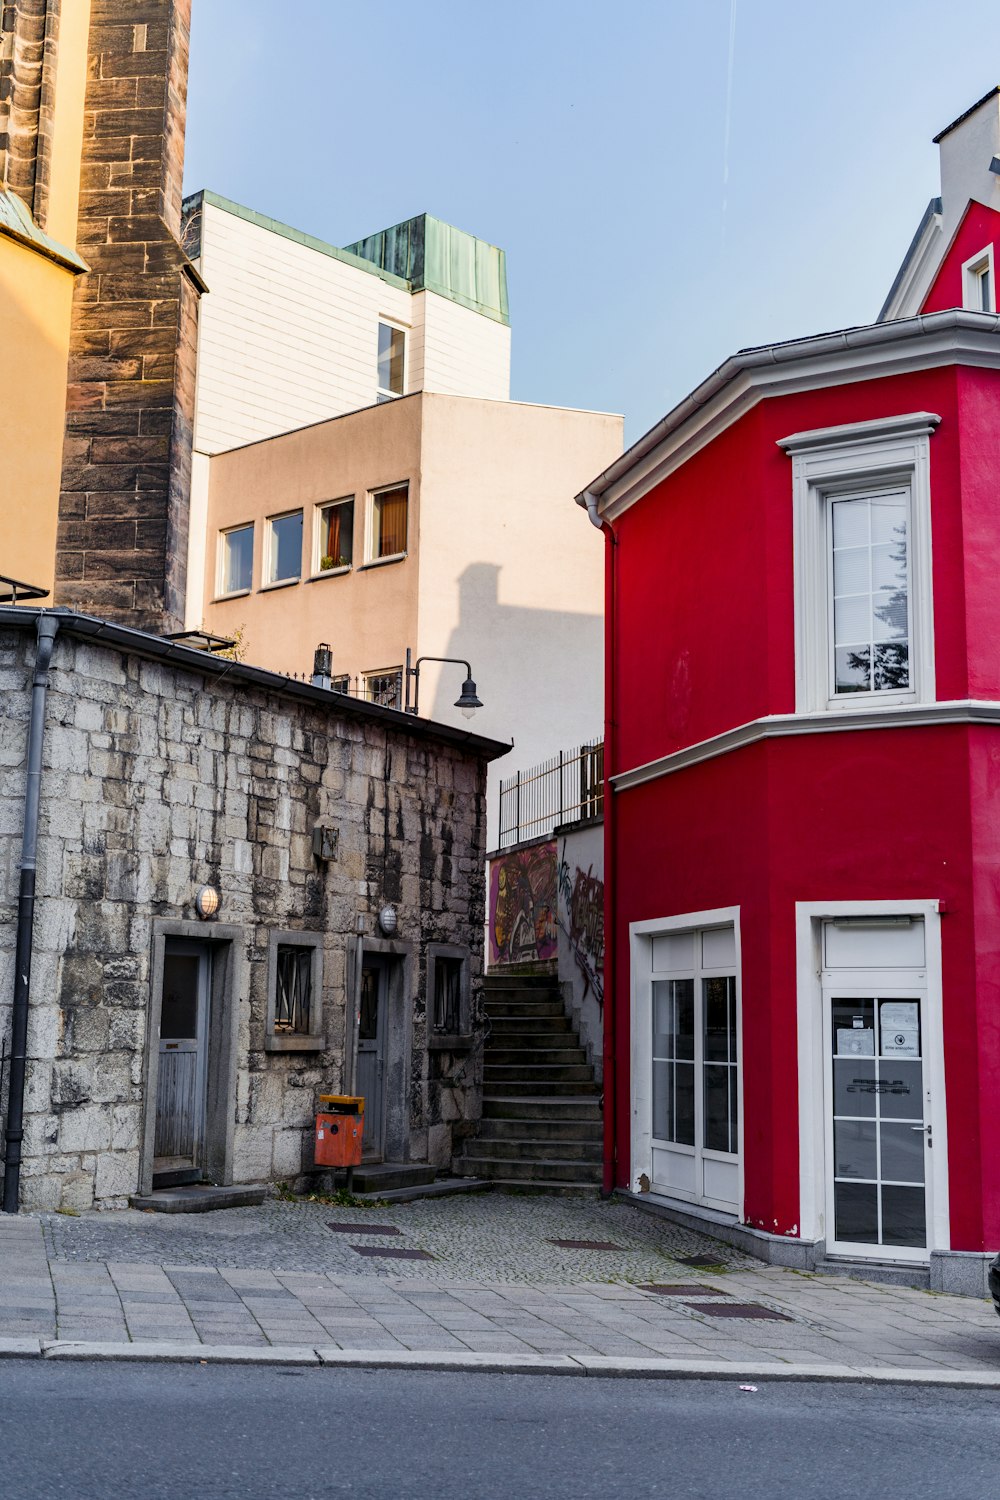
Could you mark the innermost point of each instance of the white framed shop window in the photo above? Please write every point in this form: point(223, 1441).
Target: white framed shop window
point(863, 585)
point(873, 1125)
point(687, 1048)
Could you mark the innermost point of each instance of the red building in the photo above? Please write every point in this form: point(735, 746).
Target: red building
point(802, 1029)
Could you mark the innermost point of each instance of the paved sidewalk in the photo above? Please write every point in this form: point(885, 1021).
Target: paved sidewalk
point(475, 1276)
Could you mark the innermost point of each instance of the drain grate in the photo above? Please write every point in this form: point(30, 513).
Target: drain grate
point(364, 1228)
point(681, 1289)
point(740, 1310)
point(396, 1252)
point(586, 1245)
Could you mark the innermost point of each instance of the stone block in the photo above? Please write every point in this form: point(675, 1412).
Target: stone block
point(76, 1191)
point(117, 1174)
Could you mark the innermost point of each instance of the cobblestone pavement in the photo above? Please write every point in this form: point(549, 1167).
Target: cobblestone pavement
point(494, 1283)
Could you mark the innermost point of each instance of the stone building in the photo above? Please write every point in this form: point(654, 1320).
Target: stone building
point(344, 842)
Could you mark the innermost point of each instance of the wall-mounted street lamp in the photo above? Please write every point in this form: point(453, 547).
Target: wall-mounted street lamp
point(468, 701)
point(322, 672)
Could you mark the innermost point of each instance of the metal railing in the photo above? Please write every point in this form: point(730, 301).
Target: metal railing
point(567, 788)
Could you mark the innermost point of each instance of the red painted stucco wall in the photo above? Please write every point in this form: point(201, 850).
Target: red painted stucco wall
point(702, 641)
point(979, 228)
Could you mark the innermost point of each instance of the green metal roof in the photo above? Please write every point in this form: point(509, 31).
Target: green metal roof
point(436, 257)
point(17, 223)
point(421, 254)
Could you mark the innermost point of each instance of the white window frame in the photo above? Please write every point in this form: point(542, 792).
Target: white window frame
point(318, 571)
point(809, 919)
point(371, 559)
point(972, 272)
point(859, 458)
point(640, 955)
point(267, 582)
point(221, 591)
point(384, 394)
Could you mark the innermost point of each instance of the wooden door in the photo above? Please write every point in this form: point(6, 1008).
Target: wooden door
point(371, 1052)
point(181, 1074)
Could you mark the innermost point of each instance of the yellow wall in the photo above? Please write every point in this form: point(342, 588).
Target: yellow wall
point(36, 298)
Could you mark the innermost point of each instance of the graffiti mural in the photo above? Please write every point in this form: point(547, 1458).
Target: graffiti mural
point(523, 906)
point(581, 916)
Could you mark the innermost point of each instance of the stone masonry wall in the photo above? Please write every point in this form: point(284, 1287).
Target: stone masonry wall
point(157, 781)
point(122, 548)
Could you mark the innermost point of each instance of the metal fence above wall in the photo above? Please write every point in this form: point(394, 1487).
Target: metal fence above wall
point(567, 788)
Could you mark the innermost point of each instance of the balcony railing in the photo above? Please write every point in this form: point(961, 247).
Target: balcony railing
point(567, 788)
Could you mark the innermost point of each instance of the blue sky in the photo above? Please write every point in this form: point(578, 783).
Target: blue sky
point(590, 141)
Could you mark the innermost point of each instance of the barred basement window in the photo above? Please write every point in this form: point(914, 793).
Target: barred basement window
point(293, 993)
point(448, 995)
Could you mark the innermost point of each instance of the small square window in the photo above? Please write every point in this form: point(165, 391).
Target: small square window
point(389, 522)
point(340, 684)
point(449, 1009)
point(391, 360)
point(284, 548)
point(335, 539)
point(293, 990)
point(236, 560)
point(294, 993)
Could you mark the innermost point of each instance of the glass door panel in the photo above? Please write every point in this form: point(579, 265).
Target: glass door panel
point(879, 1139)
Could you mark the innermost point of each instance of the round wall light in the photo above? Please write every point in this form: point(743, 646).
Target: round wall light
point(206, 903)
point(388, 921)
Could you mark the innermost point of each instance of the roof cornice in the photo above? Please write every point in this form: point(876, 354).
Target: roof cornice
point(873, 351)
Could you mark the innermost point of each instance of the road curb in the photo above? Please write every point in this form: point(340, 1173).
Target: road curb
point(163, 1351)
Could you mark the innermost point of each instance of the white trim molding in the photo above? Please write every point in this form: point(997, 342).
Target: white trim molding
point(783, 726)
point(809, 917)
point(899, 346)
point(888, 451)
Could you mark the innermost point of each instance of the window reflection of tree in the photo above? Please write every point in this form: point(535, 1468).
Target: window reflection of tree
point(886, 664)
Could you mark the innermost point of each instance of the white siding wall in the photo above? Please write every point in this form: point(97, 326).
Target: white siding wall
point(288, 335)
point(465, 354)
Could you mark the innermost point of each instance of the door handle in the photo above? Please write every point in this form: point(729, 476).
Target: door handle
point(926, 1128)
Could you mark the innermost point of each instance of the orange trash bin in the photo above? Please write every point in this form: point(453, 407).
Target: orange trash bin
point(339, 1130)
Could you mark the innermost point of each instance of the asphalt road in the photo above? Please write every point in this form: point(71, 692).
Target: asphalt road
point(113, 1432)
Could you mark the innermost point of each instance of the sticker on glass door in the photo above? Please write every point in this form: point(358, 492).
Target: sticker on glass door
point(878, 1141)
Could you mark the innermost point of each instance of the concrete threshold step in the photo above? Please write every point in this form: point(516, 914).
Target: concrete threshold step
point(553, 1170)
point(551, 1186)
point(199, 1198)
point(886, 1273)
point(385, 1177)
point(445, 1188)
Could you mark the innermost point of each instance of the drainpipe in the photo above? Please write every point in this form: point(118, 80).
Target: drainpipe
point(47, 627)
point(610, 1063)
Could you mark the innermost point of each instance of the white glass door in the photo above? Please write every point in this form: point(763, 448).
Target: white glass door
point(694, 1094)
point(878, 1132)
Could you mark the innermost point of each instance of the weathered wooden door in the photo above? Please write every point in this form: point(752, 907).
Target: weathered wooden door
point(371, 1052)
point(181, 1074)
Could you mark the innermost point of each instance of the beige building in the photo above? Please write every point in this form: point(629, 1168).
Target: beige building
point(435, 523)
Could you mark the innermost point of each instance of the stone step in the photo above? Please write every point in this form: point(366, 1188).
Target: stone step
point(537, 1075)
point(520, 1088)
point(504, 1009)
point(554, 1107)
point(553, 1170)
point(529, 1026)
point(520, 1057)
point(506, 1149)
point(519, 982)
point(382, 1177)
point(534, 1129)
point(446, 1187)
point(199, 1198)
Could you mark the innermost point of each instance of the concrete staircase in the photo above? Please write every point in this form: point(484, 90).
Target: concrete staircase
point(542, 1124)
